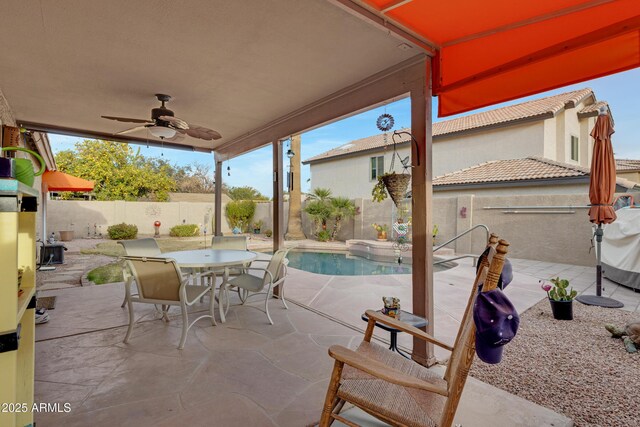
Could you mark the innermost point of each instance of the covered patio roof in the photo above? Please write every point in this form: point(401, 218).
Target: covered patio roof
point(230, 66)
point(252, 70)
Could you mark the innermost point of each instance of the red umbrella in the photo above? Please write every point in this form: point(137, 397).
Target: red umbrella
point(602, 186)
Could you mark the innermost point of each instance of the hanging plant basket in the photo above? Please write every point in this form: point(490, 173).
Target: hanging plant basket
point(396, 185)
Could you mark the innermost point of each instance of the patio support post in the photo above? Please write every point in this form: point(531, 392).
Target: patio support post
point(278, 202)
point(278, 196)
point(217, 210)
point(421, 195)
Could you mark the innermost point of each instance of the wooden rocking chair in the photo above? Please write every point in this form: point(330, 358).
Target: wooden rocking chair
point(399, 391)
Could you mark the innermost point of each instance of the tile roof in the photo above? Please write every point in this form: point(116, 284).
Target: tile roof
point(514, 170)
point(594, 108)
point(542, 107)
point(627, 164)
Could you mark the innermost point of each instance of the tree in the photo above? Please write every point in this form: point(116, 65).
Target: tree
point(341, 209)
point(294, 222)
point(119, 172)
point(319, 211)
point(322, 194)
point(319, 207)
point(245, 193)
point(197, 178)
point(240, 213)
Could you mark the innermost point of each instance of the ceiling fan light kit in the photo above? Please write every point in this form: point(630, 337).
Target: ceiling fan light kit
point(162, 132)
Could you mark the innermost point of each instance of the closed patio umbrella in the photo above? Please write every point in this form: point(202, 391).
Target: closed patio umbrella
point(602, 186)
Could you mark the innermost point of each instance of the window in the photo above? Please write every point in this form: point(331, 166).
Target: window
point(377, 167)
point(575, 148)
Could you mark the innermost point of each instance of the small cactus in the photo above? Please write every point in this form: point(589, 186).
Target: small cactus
point(559, 292)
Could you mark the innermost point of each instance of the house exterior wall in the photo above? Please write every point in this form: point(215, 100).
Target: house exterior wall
point(570, 125)
point(549, 138)
point(631, 175)
point(580, 189)
point(350, 176)
point(456, 152)
point(550, 146)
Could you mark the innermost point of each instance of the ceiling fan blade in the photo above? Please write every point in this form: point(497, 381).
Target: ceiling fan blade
point(126, 119)
point(131, 130)
point(175, 122)
point(202, 133)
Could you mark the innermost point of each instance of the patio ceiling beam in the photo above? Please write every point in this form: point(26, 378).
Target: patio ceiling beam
point(375, 90)
point(378, 19)
point(83, 133)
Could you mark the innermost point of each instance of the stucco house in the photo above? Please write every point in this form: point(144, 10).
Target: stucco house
point(546, 135)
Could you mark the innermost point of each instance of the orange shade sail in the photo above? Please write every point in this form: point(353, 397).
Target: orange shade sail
point(491, 51)
point(60, 181)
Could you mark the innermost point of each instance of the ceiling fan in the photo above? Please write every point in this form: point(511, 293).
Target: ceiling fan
point(165, 126)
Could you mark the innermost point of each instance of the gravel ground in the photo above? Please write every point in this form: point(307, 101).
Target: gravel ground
point(573, 367)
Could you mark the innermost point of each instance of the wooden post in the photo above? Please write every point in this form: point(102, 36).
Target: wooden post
point(421, 193)
point(217, 212)
point(278, 202)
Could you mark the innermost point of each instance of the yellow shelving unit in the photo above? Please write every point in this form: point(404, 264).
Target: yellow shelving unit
point(18, 206)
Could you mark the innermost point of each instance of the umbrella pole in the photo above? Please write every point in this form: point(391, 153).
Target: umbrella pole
point(598, 299)
point(599, 234)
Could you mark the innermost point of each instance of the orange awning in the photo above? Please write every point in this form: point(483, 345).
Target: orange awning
point(497, 50)
point(60, 181)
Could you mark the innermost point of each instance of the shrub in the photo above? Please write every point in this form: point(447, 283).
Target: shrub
point(110, 273)
point(184, 230)
point(268, 233)
point(122, 231)
point(324, 236)
point(240, 213)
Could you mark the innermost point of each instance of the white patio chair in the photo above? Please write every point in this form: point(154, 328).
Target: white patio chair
point(139, 247)
point(274, 275)
point(160, 282)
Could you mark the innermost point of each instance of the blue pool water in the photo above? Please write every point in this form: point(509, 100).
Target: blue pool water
point(339, 264)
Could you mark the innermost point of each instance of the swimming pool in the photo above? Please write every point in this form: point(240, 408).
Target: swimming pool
point(341, 264)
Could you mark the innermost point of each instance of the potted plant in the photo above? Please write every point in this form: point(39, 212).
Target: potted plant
point(434, 233)
point(560, 298)
point(382, 231)
point(392, 184)
point(257, 226)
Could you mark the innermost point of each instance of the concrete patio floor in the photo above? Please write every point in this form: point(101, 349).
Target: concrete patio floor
point(247, 372)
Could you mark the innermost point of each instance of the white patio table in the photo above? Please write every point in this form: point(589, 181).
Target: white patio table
point(210, 258)
point(201, 260)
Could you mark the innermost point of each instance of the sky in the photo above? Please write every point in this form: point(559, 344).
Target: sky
point(621, 91)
